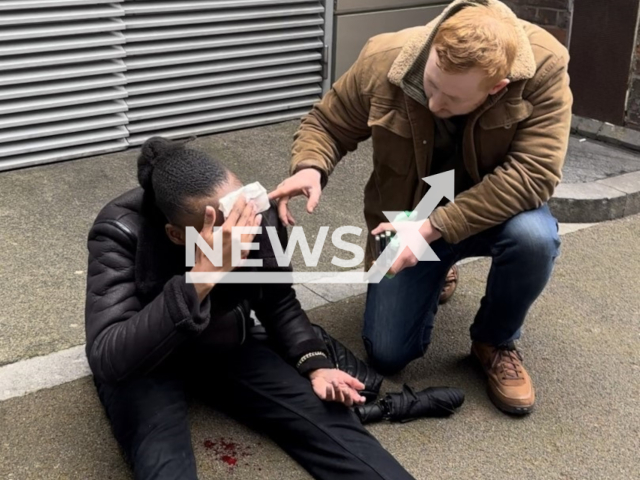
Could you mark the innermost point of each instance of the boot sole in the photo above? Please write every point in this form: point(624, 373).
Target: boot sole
point(512, 409)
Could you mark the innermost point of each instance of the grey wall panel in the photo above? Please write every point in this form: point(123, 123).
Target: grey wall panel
point(359, 6)
point(211, 105)
point(149, 35)
point(222, 126)
point(212, 55)
point(180, 71)
point(58, 44)
point(138, 7)
point(215, 16)
point(235, 88)
point(196, 62)
point(79, 77)
point(69, 153)
point(40, 89)
point(62, 141)
point(60, 29)
point(161, 87)
point(159, 46)
point(60, 79)
point(59, 128)
point(353, 31)
point(15, 77)
point(192, 120)
point(63, 57)
point(31, 17)
point(71, 111)
point(22, 4)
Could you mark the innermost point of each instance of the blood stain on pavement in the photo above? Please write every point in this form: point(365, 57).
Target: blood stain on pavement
point(228, 452)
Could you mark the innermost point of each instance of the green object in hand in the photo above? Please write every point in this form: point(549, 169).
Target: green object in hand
point(406, 216)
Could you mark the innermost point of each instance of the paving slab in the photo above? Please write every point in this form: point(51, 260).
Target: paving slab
point(589, 160)
point(308, 298)
point(581, 345)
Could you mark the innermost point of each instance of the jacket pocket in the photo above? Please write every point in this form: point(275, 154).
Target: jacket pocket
point(506, 115)
point(391, 135)
point(390, 119)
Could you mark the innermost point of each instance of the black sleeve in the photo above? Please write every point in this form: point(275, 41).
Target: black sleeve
point(279, 310)
point(284, 319)
point(125, 338)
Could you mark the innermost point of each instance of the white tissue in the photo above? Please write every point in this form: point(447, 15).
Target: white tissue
point(253, 191)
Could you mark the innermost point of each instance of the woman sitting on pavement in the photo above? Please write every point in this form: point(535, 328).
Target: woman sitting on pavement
point(153, 338)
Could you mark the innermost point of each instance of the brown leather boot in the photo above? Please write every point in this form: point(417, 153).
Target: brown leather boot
point(450, 285)
point(510, 387)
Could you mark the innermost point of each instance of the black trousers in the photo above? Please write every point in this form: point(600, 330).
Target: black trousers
point(257, 387)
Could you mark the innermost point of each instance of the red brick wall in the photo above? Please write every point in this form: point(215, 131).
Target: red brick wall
point(554, 15)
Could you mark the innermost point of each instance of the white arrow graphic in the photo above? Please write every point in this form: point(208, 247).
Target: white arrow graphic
point(442, 185)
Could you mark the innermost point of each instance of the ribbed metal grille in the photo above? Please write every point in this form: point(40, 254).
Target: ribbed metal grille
point(62, 83)
point(83, 77)
point(196, 67)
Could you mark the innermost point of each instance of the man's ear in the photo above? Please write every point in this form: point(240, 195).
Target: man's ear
point(499, 86)
point(175, 234)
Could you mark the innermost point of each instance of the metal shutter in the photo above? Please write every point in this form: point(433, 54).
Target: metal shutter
point(84, 77)
point(203, 66)
point(61, 80)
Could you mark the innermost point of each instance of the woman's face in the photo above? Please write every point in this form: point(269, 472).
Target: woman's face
point(194, 215)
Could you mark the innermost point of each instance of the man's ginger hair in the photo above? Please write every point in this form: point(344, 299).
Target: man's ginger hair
point(478, 37)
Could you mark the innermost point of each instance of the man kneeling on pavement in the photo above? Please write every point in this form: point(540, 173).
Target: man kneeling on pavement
point(485, 94)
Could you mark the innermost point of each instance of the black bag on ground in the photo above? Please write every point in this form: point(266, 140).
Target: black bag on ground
point(409, 405)
point(345, 360)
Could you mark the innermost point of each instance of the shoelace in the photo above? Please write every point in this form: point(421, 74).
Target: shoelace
point(509, 359)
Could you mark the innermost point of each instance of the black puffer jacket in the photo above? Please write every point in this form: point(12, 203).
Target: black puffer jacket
point(140, 310)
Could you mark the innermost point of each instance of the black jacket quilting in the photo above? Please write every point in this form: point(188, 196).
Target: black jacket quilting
point(139, 308)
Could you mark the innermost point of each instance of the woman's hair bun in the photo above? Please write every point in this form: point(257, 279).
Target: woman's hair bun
point(152, 151)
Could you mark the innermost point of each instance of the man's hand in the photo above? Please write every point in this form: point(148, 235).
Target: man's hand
point(306, 182)
point(407, 259)
point(334, 385)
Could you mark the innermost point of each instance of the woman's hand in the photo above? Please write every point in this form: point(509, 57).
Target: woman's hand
point(334, 385)
point(243, 214)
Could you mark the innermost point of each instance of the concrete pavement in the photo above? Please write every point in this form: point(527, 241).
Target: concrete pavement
point(600, 182)
point(581, 344)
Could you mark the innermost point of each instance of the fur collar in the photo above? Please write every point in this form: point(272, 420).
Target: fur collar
point(408, 69)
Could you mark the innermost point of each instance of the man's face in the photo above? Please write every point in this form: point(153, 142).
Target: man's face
point(450, 95)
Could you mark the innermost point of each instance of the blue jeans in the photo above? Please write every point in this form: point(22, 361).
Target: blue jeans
point(400, 311)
